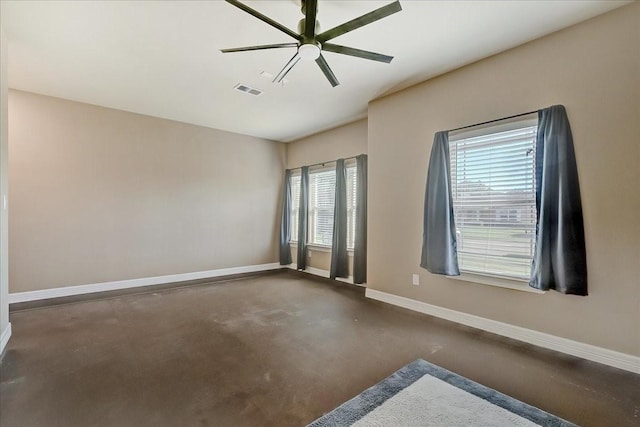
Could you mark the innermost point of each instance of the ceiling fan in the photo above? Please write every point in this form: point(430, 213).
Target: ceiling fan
point(310, 42)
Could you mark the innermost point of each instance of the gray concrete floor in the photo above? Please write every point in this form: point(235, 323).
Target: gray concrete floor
point(273, 350)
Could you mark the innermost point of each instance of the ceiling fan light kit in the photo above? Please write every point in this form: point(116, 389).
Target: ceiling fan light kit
point(309, 51)
point(311, 42)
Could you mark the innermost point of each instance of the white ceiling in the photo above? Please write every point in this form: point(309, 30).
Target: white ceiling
point(162, 58)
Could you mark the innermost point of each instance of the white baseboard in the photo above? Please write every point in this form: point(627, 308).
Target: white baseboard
point(586, 351)
point(325, 273)
point(4, 337)
point(134, 283)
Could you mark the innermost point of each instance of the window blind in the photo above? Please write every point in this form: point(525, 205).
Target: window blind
point(322, 196)
point(493, 191)
point(351, 206)
point(321, 202)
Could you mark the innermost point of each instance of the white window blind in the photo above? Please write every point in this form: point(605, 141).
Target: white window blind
point(321, 204)
point(322, 189)
point(351, 206)
point(493, 189)
point(295, 203)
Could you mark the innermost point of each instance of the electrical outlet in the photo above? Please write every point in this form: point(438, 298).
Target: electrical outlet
point(310, 254)
point(416, 279)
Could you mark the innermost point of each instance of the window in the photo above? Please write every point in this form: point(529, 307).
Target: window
point(322, 185)
point(494, 201)
point(352, 192)
point(322, 191)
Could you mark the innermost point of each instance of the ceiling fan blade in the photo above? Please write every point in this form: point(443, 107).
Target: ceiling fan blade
point(329, 47)
point(260, 47)
point(311, 10)
point(264, 18)
point(322, 63)
point(292, 62)
point(356, 23)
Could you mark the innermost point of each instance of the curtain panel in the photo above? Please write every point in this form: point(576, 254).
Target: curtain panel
point(360, 237)
point(439, 236)
point(339, 256)
point(559, 260)
point(285, 221)
point(303, 213)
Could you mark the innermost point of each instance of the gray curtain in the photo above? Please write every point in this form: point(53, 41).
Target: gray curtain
point(559, 261)
point(303, 212)
point(439, 237)
point(339, 257)
point(285, 221)
point(360, 245)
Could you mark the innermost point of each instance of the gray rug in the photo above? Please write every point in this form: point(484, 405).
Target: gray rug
point(422, 394)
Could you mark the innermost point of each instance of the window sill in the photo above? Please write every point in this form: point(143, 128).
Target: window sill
point(496, 281)
point(319, 248)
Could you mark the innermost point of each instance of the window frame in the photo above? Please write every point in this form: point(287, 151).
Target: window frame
point(351, 183)
point(504, 281)
point(315, 209)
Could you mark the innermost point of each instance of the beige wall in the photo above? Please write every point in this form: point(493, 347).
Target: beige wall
point(594, 70)
point(4, 175)
point(342, 142)
point(101, 195)
point(319, 258)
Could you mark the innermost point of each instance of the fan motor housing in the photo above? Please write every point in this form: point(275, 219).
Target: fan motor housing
point(301, 25)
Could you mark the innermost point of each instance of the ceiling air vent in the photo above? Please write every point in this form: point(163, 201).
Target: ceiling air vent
point(248, 89)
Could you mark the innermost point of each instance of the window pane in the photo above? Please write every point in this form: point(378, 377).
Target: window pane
point(493, 189)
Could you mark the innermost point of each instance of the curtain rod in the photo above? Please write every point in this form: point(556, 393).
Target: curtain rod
point(323, 163)
point(492, 121)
